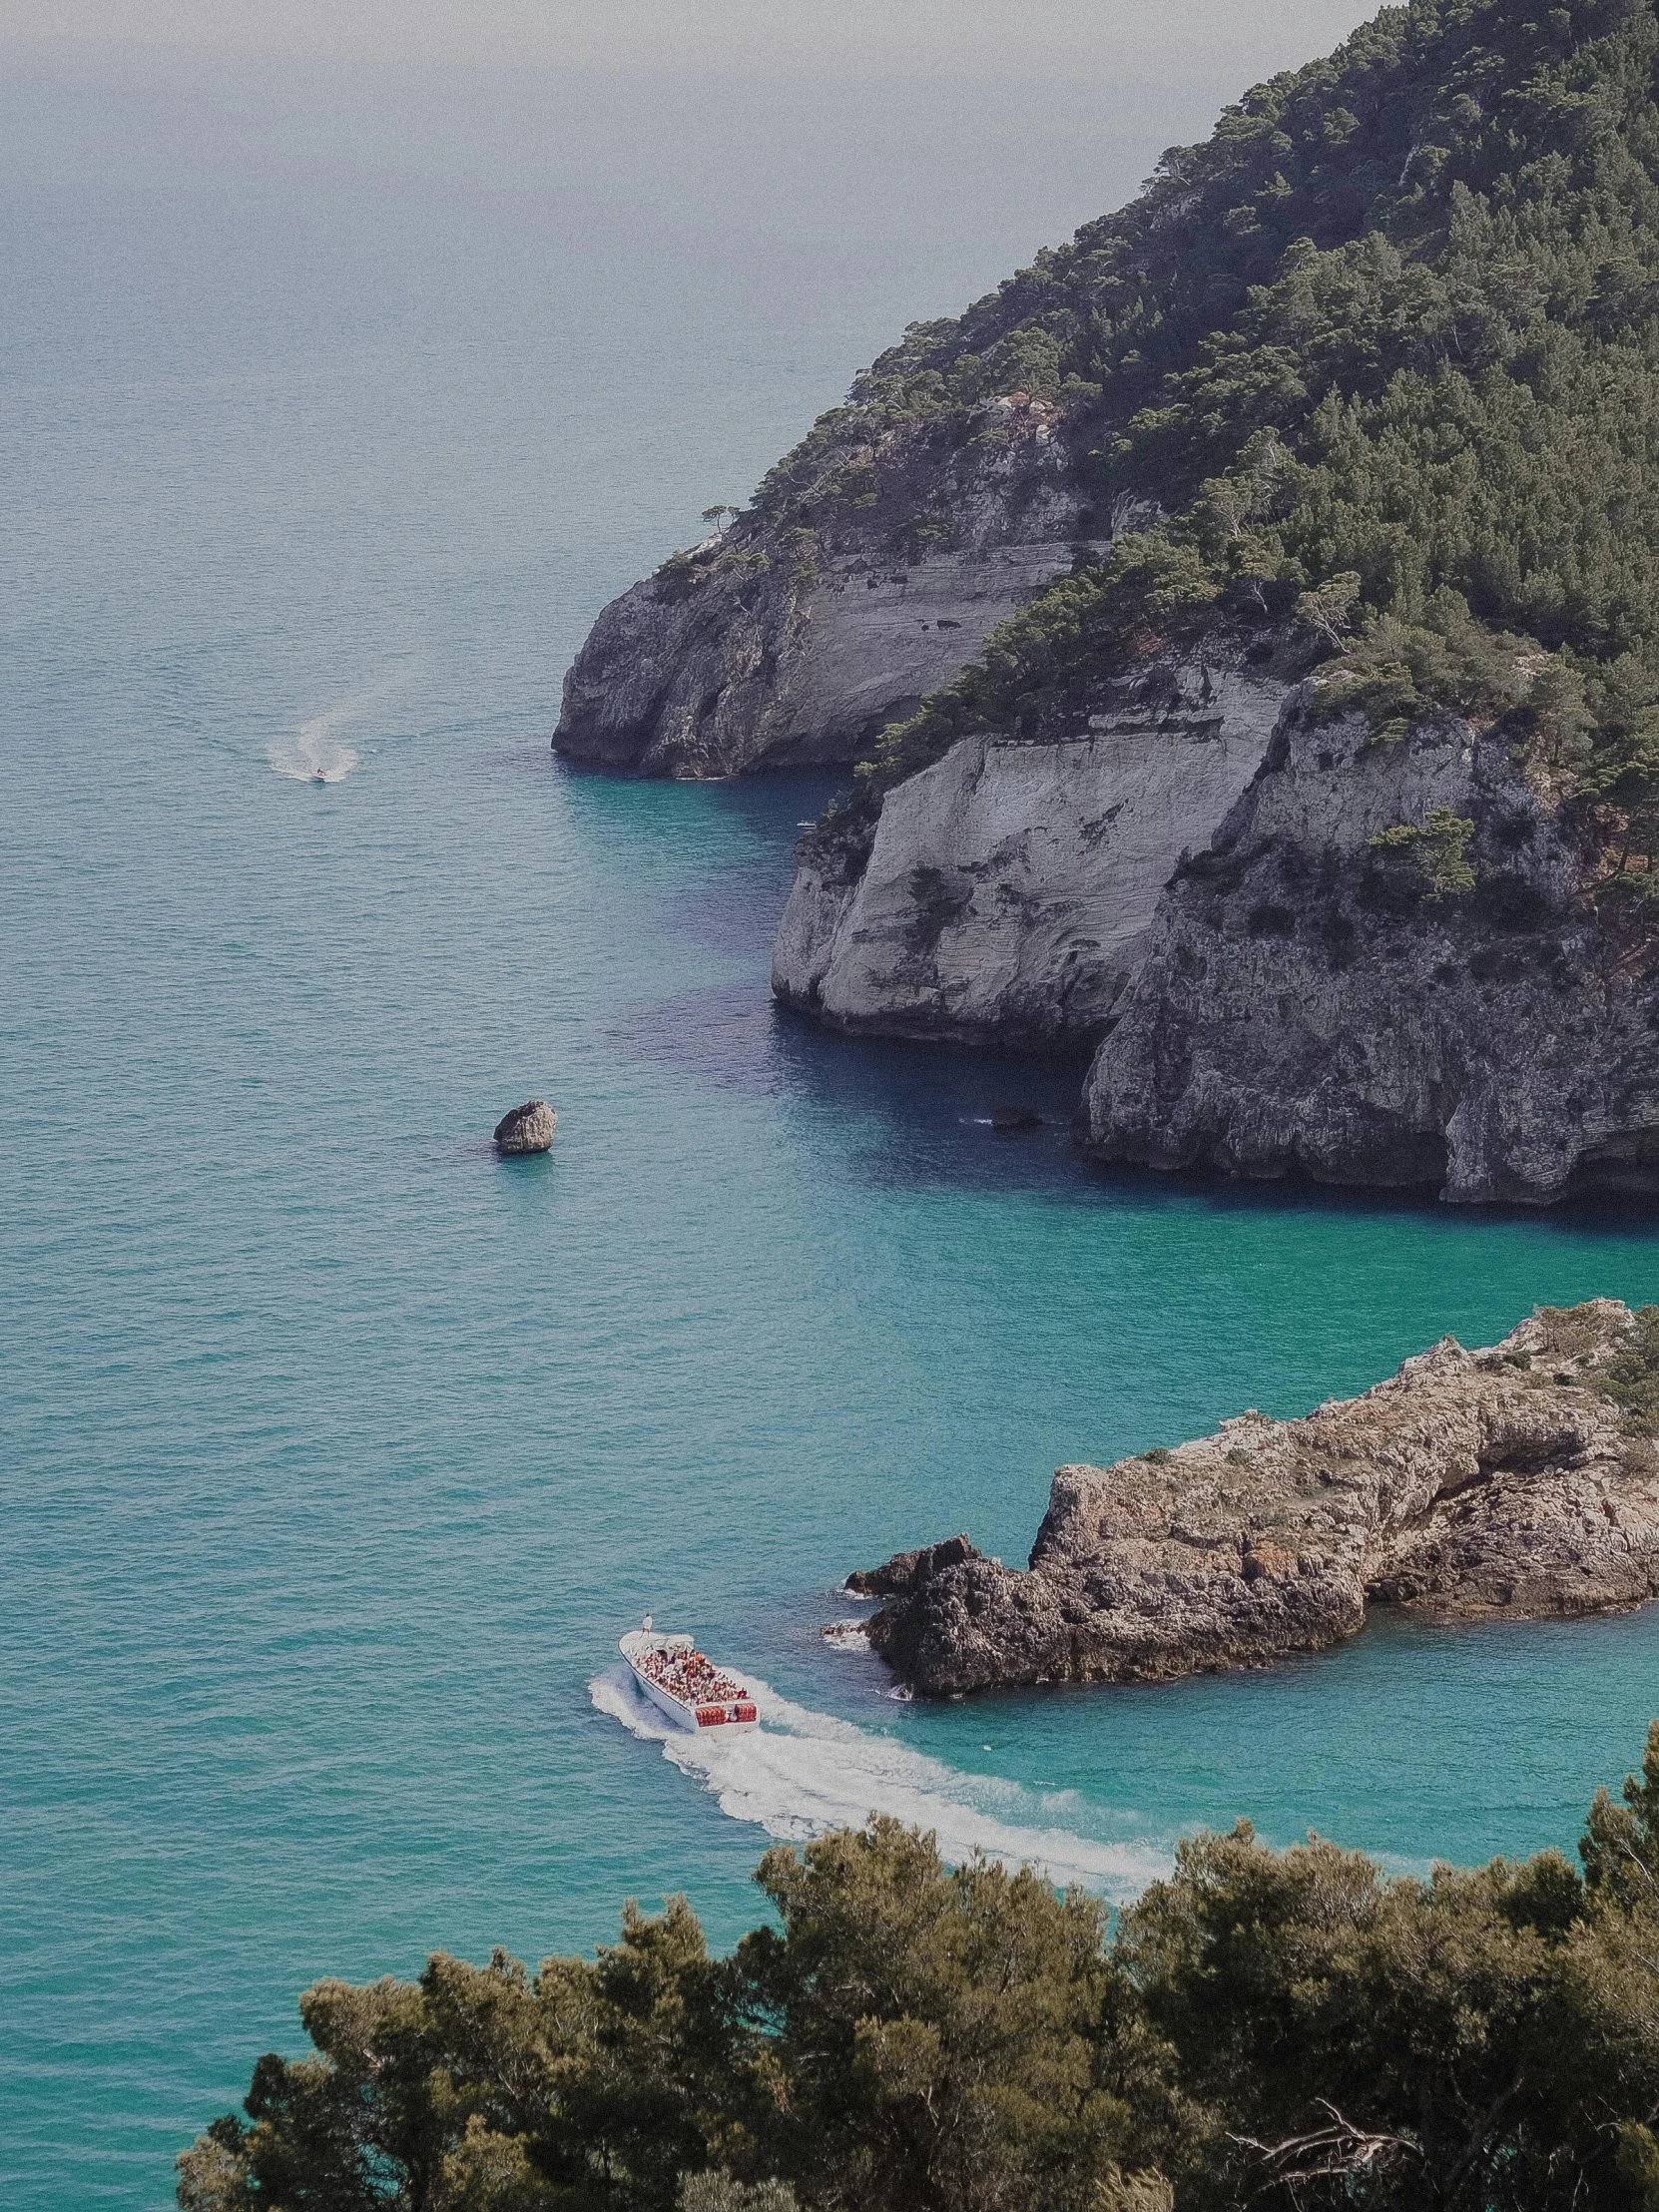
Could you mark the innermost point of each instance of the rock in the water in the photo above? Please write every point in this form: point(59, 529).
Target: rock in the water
point(528, 1128)
point(1472, 1483)
point(1006, 1120)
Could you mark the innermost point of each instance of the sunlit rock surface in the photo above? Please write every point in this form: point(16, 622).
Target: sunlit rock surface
point(1499, 1483)
point(1010, 890)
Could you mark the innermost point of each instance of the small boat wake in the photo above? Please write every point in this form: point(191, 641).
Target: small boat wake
point(802, 1774)
point(313, 755)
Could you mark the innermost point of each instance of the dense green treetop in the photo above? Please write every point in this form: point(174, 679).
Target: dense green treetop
point(1375, 141)
point(1291, 2029)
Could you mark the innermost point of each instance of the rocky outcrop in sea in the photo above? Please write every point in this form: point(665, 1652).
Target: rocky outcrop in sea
point(1515, 1481)
point(528, 1128)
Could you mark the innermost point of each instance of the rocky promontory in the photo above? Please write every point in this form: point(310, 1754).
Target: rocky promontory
point(1244, 625)
point(788, 639)
point(1513, 1481)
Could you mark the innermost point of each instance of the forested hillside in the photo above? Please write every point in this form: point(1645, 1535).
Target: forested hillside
point(1294, 2030)
point(1384, 354)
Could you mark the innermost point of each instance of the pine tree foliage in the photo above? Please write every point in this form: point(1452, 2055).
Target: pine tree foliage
point(1291, 2029)
point(1385, 353)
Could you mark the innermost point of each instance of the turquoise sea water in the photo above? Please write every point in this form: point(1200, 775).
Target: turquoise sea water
point(335, 1452)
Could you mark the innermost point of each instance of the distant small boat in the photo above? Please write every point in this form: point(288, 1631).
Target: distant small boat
point(684, 1683)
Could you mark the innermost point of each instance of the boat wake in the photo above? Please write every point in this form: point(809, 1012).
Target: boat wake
point(313, 755)
point(803, 1773)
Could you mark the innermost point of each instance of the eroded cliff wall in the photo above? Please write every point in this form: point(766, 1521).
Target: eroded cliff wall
point(1009, 890)
point(776, 646)
point(1450, 1008)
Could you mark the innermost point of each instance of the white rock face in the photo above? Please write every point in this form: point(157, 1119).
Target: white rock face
point(874, 642)
point(762, 650)
point(1011, 886)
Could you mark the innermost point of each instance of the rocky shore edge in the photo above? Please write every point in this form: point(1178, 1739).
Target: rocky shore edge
point(1516, 1480)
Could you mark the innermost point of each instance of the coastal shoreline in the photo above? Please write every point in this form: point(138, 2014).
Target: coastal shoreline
point(1519, 1480)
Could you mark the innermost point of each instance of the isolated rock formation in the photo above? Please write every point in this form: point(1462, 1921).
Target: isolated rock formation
point(775, 645)
point(1472, 1483)
point(528, 1128)
point(1008, 890)
point(1454, 1015)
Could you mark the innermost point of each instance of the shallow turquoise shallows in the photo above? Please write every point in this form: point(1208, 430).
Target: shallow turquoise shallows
point(335, 1452)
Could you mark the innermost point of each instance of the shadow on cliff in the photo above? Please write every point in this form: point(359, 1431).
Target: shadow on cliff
point(893, 1113)
point(898, 1113)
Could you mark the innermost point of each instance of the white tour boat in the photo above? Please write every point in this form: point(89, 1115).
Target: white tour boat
point(680, 1682)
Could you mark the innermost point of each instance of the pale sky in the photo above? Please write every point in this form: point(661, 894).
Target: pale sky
point(836, 166)
point(1120, 39)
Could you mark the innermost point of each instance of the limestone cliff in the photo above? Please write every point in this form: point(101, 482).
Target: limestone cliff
point(1392, 967)
point(1007, 891)
point(1364, 387)
point(1513, 1481)
point(778, 644)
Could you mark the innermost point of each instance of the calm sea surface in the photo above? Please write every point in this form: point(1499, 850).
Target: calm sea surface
point(334, 1453)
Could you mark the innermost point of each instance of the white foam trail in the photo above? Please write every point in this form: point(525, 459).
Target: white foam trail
point(805, 1773)
point(314, 754)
